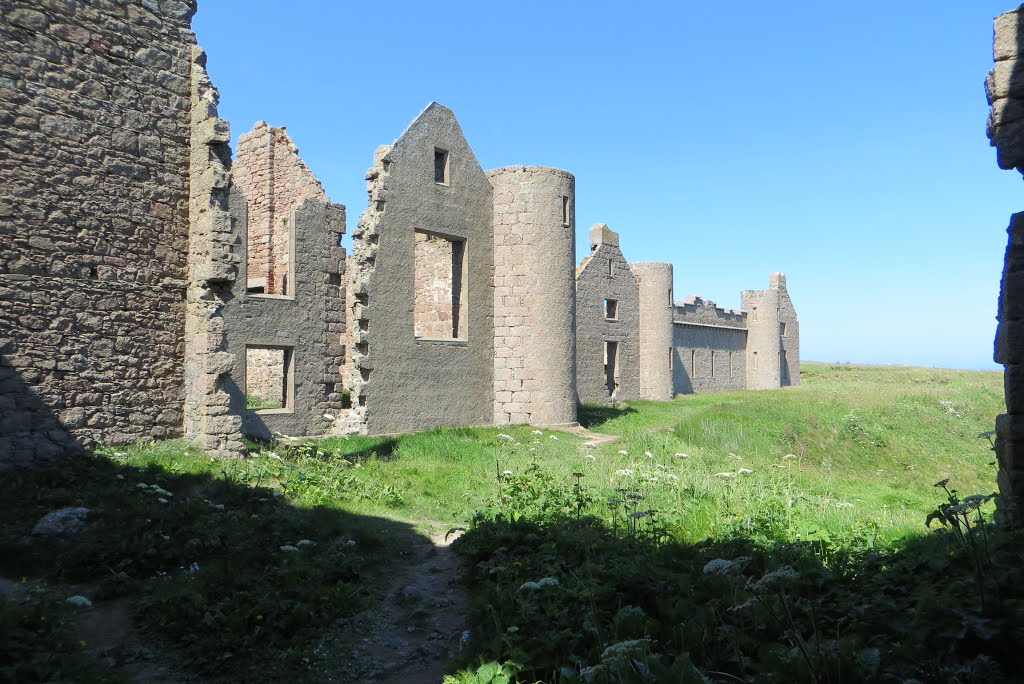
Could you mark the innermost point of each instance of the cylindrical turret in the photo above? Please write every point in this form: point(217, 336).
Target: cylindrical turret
point(534, 295)
point(655, 280)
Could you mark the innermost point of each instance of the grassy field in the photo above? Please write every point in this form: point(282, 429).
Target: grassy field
point(834, 477)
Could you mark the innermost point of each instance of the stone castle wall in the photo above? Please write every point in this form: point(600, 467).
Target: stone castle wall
point(604, 275)
point(710, 347)
point(1005, 89)
point(656, 336)
point(93, 222)
point(534, 305)
point(274, 180)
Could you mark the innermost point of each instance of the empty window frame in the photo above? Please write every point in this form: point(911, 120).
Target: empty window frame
point(753, 313)
point(670, 354)
point(670, 302)
point(783, 366)
point(441, 175)
point(730, 365)
point(439, 282)
point(611, 309)
point(611, 268)
point(693, 363)
point(270, 254)
point(754, 361)
point(611, 367)
point(565, 210)
point(268, 378)
point(782, 329)
point(712, 363)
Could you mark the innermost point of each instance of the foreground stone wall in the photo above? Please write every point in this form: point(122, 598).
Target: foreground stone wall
point(1005, 89)
point(94, 107)
point(534, 305)
point(604, 275)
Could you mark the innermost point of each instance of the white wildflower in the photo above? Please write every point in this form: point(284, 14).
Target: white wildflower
point(590, 457)
point(537, 432)
point(507, 438)
point(288, 548)
point(142, 485)
point(776, 579)
point(672, 477)
point(192, 569)
point(120, 477)
point(305, 542)
point(79, 601)
point(625, 472)
point(623, 452)
point(506, 472)
point(725, 474)
point(682, 456)
point(844, 504)
point(648, 454)
point(162, 500)
point(552, 437)
point(745, 471)
point(789, 457)
point(719, 566)
point(625, 649)
point(547, 582)
point(529, 586)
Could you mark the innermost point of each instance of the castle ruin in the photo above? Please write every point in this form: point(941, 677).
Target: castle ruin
point(153, 286)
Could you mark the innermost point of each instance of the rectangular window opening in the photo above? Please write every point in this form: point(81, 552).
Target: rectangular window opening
point(439, 281)
point(783, 366)
point(268, 378)
point(270, 258)
point(611, 309)
point(753, 313)
point(730, 364)
point(440, 166)
point(611, 267)
point(670, 358)
point(565, 210)
point(611, 367)
point(754, 363)
point(712, 364)
point(670, 302)
point(782, 329)
point(693, 363)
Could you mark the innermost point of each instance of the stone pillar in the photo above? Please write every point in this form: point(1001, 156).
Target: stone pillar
point(1005, 89)
point(534, 295)
point(763, 347)
point(212, 268)
point(656, 304)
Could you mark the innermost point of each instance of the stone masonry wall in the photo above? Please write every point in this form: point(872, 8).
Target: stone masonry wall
point(213, 264)
point(401, 382)
point(1005, 89)
point(710, 344)
point(274, 180)
point(94, 107)
point(534, 302)
point(603, 275)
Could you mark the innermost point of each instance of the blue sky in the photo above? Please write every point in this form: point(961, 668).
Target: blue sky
point(841, 143)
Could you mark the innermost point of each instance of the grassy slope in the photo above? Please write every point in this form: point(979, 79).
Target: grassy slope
point(852, 449)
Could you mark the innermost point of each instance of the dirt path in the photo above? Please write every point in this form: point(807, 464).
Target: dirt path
point(412, 635)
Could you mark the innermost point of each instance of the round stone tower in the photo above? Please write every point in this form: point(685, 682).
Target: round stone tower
point(534, 295)
point(656, 307)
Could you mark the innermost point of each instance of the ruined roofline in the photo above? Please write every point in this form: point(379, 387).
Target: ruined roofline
point(281, 137)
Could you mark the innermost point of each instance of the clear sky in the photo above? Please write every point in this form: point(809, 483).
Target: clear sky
point(841, 143)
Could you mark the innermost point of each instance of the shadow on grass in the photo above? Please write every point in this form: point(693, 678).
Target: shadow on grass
point(576, 601)
point(592, 415)
point(239, 582)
